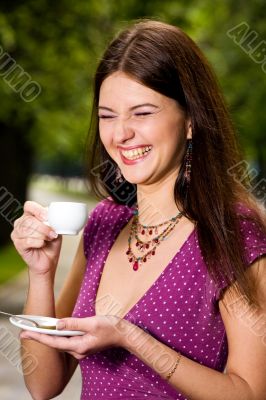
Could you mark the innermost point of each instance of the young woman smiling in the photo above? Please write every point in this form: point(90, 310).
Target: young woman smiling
point(169, 278)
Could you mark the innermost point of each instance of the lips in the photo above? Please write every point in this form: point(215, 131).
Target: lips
point(135, 155)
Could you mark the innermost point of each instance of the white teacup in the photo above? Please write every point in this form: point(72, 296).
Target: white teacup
point(67, 218)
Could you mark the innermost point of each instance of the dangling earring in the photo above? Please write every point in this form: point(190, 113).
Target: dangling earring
point(188, 158)
point(119, 176)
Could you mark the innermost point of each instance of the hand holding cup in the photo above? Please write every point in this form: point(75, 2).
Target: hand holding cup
point(37, 242)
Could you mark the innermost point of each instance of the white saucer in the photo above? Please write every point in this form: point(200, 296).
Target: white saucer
point(22, 324)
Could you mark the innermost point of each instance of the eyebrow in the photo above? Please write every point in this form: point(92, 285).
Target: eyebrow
point(131, 108)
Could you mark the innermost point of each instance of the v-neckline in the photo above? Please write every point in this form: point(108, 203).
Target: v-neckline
point(140, 300)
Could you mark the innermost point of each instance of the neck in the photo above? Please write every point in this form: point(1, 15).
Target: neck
point(156, 201)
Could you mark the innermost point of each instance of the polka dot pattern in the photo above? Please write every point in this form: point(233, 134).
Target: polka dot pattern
point(180, 310)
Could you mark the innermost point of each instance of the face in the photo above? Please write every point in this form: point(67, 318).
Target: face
point(143, 131)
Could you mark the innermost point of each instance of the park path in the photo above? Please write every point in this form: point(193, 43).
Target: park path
point(12, 297)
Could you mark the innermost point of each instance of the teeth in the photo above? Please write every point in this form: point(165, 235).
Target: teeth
point(136, 153)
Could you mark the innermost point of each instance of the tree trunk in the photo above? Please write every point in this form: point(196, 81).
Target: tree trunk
point(16, 155)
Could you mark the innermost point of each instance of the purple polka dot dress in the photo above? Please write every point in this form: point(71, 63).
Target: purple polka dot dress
point(180, 310)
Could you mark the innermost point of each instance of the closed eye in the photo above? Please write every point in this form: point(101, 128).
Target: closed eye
point(105, 116)
point(144, 113)
point(111, 116)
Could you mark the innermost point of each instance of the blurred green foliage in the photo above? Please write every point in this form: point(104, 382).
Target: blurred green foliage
point(59, 44)
point(11, 263)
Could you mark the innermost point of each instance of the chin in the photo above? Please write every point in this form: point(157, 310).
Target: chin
point(135, 181)
point(138, 174)
point(138, 180)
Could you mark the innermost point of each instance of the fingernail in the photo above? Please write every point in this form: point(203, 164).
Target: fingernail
point(53, 235)
point(60, 325)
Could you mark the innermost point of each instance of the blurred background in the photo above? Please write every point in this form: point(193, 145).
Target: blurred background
point(48, 54)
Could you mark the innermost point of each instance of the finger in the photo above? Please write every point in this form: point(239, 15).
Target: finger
point(57, 342)
point(30, 243)
point(77, 355)
point(77, 324)
point(17, 222)
point(30, 226)
point(35, 209)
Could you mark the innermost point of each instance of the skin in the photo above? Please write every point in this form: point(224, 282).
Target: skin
point(166, 130)
point(164, 126)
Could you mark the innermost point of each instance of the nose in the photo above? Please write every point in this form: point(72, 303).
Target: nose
point(123, 130)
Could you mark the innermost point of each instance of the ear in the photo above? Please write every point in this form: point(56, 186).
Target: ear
point(189, 128)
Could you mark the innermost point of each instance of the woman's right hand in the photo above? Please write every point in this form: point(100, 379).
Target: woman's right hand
point(37, 243)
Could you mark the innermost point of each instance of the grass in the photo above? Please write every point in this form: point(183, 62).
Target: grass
point(11, 263)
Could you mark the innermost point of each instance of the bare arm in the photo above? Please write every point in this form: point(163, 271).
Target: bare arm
point(54, 368)
point(246, 367)
point(245, 371)
point(68, 295)
point(40, 301)
point(31, 237)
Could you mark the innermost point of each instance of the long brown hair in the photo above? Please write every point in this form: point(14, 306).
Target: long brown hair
point(165, 59)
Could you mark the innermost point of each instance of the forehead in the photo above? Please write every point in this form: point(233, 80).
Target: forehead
point(121, 87)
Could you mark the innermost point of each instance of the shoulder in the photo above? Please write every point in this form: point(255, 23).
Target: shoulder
point(252, 239)
point(245, 212)
point(108, 209)
point(252, 231)
point(245, 331)
point(103, 218)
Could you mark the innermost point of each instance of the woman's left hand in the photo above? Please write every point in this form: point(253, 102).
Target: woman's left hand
point(101, 332)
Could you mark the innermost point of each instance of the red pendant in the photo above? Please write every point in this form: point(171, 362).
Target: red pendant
point(136, 266)
point(143, 232)
point(150, 232)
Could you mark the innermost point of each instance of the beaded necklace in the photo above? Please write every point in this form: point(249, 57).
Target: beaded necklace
point(137, 228)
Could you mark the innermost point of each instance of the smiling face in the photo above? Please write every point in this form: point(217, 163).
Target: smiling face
point(143, 131)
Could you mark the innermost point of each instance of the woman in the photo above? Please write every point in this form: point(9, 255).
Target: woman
point(160, 282)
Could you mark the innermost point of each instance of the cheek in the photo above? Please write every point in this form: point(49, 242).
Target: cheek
point(171, 134)
point(105, 137)
point(150, 131)
point(174, 138)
